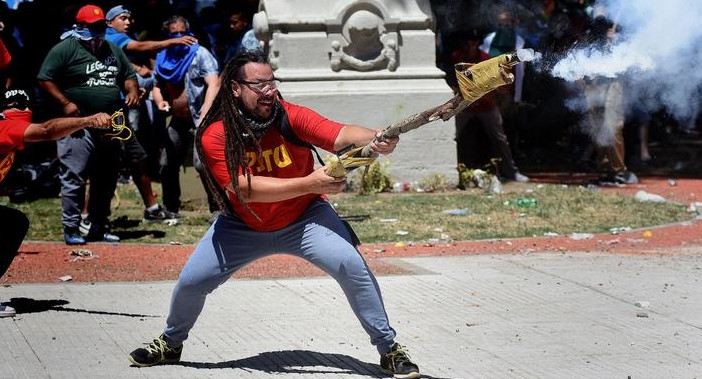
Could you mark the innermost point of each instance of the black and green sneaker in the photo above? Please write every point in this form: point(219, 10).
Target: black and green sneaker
point(158, 352)
point(398, 362)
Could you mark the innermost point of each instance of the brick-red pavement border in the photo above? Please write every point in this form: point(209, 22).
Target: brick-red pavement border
point(41, 262)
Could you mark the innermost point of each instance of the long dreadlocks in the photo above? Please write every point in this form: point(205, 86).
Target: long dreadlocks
point(226, 108)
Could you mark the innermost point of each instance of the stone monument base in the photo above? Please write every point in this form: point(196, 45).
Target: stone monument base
point(422, 152)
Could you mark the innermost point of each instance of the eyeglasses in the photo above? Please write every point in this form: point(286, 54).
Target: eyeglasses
point(261, 87)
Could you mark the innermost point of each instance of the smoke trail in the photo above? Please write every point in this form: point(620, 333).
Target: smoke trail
point(656, 54)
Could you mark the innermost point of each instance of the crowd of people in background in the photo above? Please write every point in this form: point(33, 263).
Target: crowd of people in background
point(578, 126)
point(146, 60)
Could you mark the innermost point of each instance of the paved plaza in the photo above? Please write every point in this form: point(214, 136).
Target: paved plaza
point(538, 315)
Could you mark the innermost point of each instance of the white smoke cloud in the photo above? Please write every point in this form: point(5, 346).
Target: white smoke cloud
point(657, 54)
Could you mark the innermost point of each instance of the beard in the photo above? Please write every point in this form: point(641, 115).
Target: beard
point(259, 127)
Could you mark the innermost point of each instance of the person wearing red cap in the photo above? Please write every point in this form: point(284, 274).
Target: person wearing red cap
point(85, 74)
point(17, 130)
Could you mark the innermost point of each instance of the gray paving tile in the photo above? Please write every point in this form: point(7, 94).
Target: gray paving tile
point(540, 315)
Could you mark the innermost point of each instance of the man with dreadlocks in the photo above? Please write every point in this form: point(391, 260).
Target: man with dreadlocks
point(271, 201)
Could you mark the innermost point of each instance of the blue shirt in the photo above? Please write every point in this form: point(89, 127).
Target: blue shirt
point(119, 39)
point(122, 40)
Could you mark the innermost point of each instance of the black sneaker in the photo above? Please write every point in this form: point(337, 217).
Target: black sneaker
point(398, 362)
point(158, 352)
point(626, 177)
point(157, 215)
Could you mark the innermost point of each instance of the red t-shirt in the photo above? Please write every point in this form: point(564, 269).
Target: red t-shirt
point(279, 158)
point(11, 139)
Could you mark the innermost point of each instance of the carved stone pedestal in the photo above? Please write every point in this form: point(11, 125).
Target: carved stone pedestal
point(364, 62)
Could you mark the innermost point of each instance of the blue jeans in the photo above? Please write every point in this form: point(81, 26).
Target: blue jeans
point(318, 236)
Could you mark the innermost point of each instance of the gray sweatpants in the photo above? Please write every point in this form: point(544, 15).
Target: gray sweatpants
point(87, 154)
point(318, 237)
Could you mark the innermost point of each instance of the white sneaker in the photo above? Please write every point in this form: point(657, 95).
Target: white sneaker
point(519, 177)
point(7, 311)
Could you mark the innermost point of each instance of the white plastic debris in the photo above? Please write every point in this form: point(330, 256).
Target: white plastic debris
point(495, 185)
point(621, 229)
point(402, 232)
point(695, 207)
point(550, 234)
point(642, 304)
point(455, 212)
point(82, 255)
point(66, 278)
point(388, 220)
point(581, 236)
point(652, 197)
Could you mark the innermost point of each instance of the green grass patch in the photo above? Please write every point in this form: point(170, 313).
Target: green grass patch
point(558, 209)
point(416, 216)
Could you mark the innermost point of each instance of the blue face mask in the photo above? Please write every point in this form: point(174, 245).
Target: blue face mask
point(179, 49)
point(83, 33)
point(178, 35)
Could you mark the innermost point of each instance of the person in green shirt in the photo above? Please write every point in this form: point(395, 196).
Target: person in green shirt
point(84, 74)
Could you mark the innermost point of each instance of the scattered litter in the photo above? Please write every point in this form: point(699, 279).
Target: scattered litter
point(171, 222)
point(642, 314)
point(528, 190)
point(82, 255)
point(672, 182)
point(551, 234)
point(399, 244)
point(445, 237)
point(592, 187)
point(611, 242)
point(581, 236)
point(402, 232)
point(175, 243)
point(524, 202)
point(455, 212)
point(432, 240)
point(540, 186)
point(621, 229)
point(388, 220)
point(378, 250)
point(66, 278)
point(636, 240)
point(438, 230)
point(695, 207)
point(645, 196)
point(401, 187)
point(647, 234)
point(642, 304)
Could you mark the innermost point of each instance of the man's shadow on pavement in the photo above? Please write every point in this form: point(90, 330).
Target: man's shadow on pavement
point(23, 305)
point(124, 229)
point(300, 362)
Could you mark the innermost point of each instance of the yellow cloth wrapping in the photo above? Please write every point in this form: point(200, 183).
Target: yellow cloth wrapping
point(338, 166)
point(476, 80)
